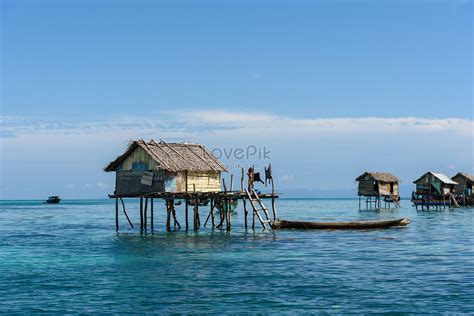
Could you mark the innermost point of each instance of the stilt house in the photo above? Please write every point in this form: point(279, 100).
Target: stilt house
point(435, 184)
point(147, 167)
point(463, 190)
point(435, 190)
point(379, 185)
point(465, 183)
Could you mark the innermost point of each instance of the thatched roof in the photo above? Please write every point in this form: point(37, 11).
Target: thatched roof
point(466, 175)
point(379, 176)
point(440, 176)
point(173, 156)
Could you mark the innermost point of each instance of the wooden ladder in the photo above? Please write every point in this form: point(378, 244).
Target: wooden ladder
point(395, 202)
point(257, 209)
point(453, 199)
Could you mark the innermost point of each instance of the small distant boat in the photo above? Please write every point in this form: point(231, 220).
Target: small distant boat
point(53, 200)
point(341, 225)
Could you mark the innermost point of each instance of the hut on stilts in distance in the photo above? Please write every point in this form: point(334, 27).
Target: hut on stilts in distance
point(378, 186)
point(463, 188)
point(180, 171)
point(434, 190)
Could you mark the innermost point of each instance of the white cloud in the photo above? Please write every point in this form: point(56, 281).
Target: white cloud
point(181, 125)
point(318, 152)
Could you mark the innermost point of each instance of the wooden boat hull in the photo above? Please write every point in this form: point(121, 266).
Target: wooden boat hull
point(341, 225)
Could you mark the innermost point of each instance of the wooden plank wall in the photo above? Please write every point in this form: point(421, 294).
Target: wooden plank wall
point(204, 181)
point(384, 188)
point(139, 155)
point(366, 187)
point(128, 182)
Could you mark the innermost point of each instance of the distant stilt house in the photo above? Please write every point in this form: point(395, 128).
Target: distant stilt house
point(463, 190)
point(376, 186)
point(147, 167)
point(434, 189)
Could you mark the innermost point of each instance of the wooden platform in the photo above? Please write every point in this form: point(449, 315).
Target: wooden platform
point(218, 201)
point(193, 195)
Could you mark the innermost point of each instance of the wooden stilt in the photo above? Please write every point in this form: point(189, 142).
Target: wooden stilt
point(196, 224)
point(151, 214)
point(168, 216)
point(196, 210)
point(141, 214)
point(242, 181)
point(244, 200)
point(212, 213)
point(173, 210)
point(228, 215)
point(253, 220)
point(274, 209)
point(125, 212)
point(224, 210)
point(221, 213)
point(198, 218)
point(116, 215)
point(186, 210)
point(245, 211)
point(145, 214)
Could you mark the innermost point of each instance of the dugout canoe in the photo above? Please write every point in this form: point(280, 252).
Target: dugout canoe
point(341, 225)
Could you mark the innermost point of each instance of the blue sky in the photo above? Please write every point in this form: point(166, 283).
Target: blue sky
point(333, 88)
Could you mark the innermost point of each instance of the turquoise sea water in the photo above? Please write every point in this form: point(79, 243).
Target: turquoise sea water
point(67, 258)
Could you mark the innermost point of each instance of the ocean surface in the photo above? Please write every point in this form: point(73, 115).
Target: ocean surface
point(67, 258)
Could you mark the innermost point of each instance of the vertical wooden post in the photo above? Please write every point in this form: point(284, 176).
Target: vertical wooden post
point(245, 211)
point(253, 219)
point(151, 214)
point(212, 213)
point(224, 209)
point(244, 201)
point(186, 208)
point(196, 209)
point(242, 181)
point(173, 209)
point(275, 215)
point(116, 214)
point(141, 214)
point(145, 215)
point(173, 213)
point(186, 211)
point(231, 182)
point(168, 215)
point(221, 212)
point(228, 214)
point(196, 225)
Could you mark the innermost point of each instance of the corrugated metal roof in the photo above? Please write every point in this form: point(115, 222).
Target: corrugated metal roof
point(443, 178)
point(440, 176)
